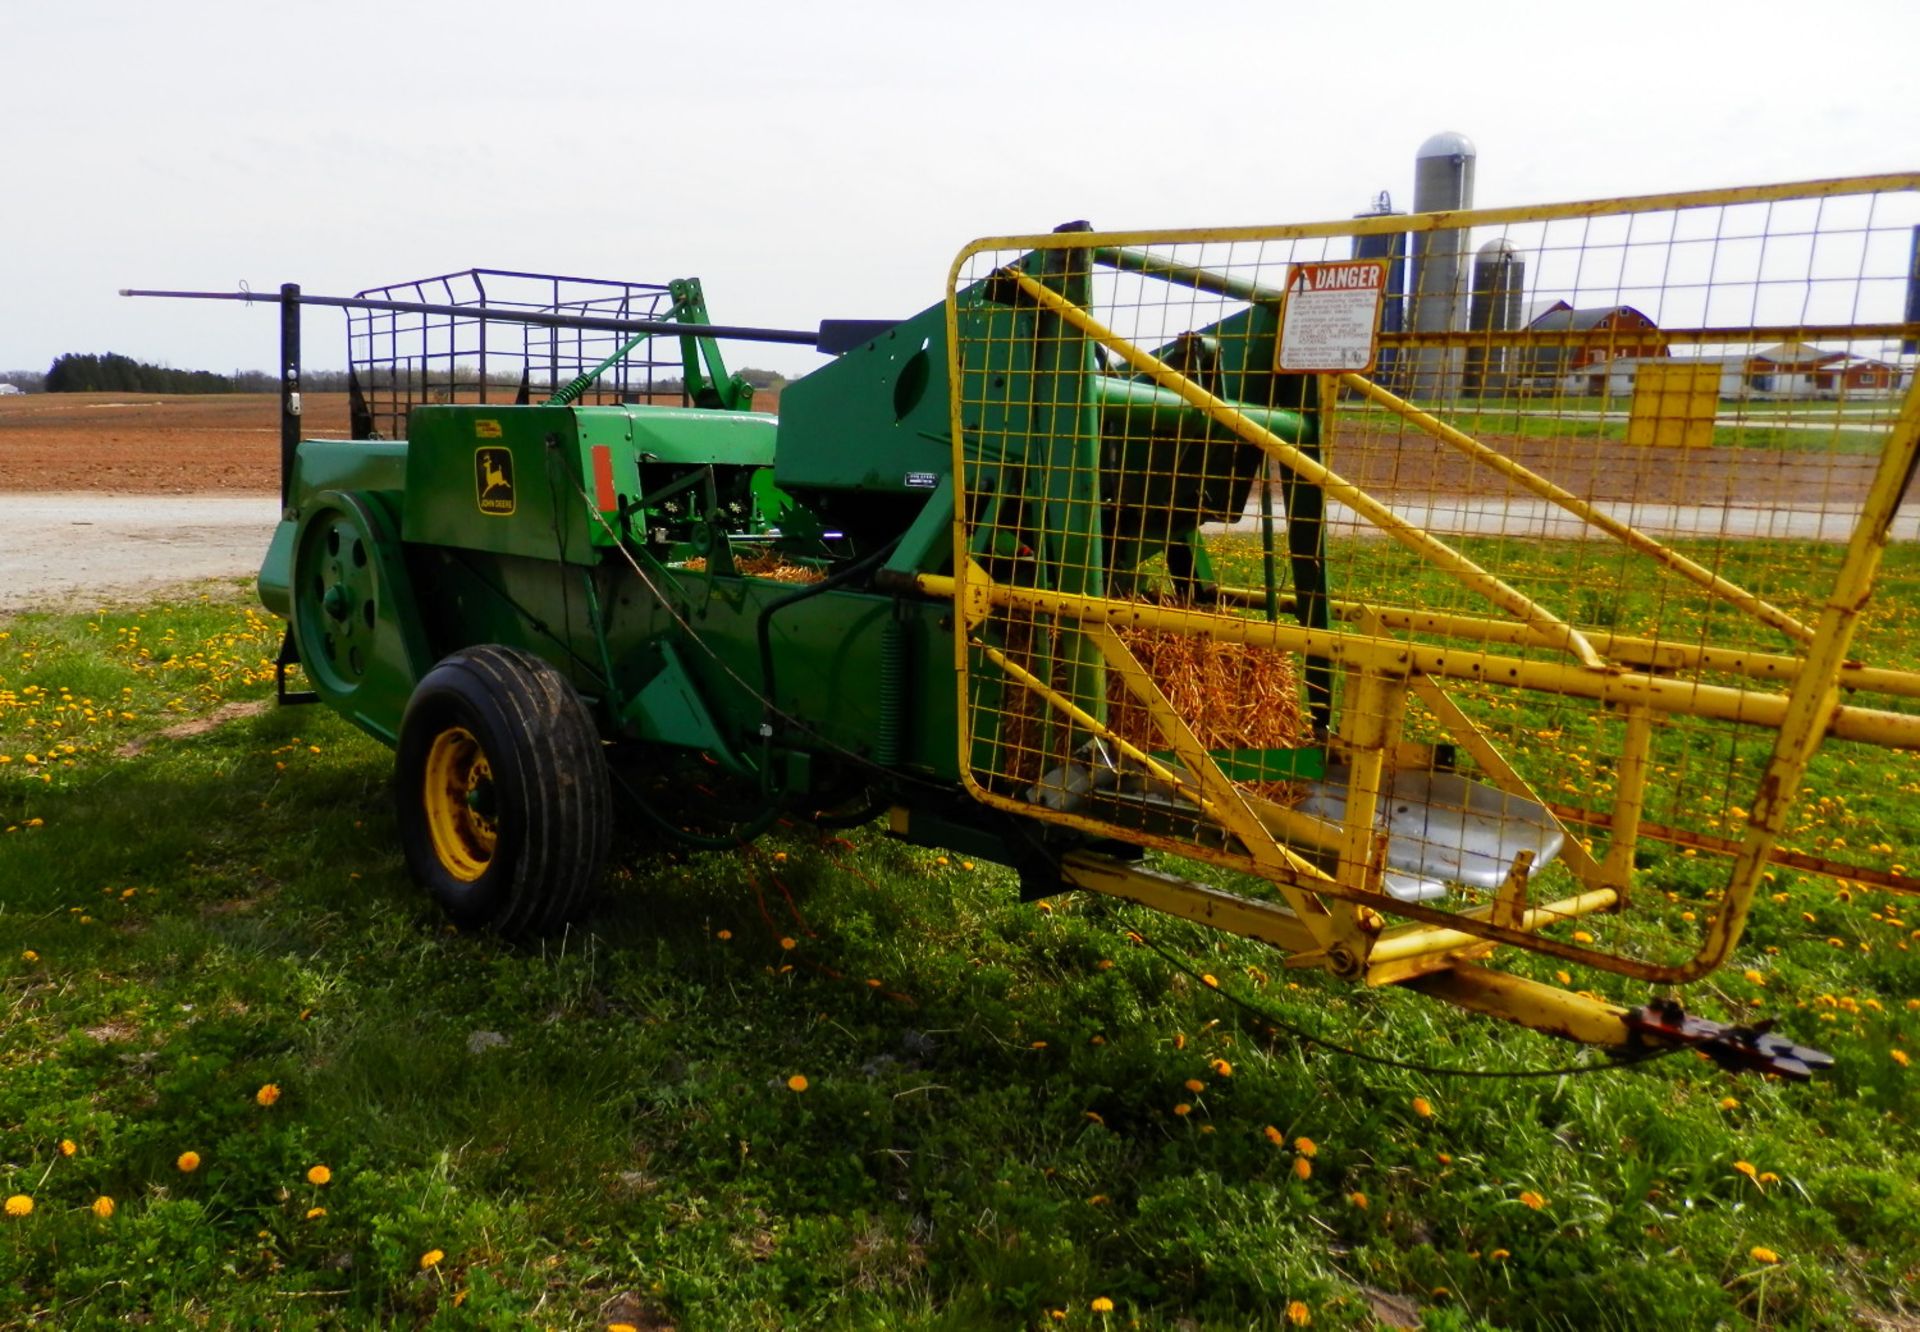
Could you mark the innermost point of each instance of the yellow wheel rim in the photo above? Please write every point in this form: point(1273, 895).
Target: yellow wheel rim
point(458, 798)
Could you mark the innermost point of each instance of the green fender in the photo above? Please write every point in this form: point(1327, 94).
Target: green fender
point(352, 610)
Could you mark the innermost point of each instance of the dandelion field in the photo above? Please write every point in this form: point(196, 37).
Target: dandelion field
point(249, 1078)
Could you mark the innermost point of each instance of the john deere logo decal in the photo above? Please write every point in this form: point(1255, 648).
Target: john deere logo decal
point(493, 480)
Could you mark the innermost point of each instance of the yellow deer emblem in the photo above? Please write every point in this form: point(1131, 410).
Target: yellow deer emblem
point(493, 481)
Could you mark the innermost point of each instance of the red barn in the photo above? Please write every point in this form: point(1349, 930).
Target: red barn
point(1596, 335)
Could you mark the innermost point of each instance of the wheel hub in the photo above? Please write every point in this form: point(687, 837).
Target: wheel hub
point(458, 797)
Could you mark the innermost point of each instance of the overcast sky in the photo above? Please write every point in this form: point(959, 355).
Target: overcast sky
point(826, 159)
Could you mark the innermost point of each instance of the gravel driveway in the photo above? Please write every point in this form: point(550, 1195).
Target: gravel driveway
point(56, 549)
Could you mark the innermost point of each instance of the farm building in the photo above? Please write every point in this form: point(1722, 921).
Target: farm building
point(1802, 370)
point(1615, 378)
point(1595, 336)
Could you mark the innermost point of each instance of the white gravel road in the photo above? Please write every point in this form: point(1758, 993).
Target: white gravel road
point(56, 549)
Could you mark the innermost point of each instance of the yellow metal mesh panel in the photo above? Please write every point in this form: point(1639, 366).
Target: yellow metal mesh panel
point(1543, 578)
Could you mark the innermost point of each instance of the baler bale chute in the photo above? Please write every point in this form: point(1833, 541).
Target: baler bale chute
point(1094, 570)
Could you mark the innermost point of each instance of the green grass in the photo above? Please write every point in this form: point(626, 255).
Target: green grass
point(987, 1133)
point(1854, 430)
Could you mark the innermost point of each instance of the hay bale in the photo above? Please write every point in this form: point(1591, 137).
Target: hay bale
point(1231, 695)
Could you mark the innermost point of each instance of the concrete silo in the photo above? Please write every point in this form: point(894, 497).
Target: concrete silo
point(1442, 182)
point(1391, 246)
point(1494, 303)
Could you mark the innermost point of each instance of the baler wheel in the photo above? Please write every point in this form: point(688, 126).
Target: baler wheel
point(504, 805)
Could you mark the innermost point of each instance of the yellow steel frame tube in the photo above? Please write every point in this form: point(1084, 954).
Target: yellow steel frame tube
point(1453, 220)
point(1889, 730)
point(1542, 1007)
point(1265, 921)
point(1398, 945)
point(1629, 801)
point(1552, 630)
point(1623, 649)
point(1632, 537)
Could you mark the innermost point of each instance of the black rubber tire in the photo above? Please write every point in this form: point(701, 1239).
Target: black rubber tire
point(549, 808)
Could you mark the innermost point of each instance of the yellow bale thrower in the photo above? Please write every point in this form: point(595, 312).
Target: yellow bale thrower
point(1409, 608)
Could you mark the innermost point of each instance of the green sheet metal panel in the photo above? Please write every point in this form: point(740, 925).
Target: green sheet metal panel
point(500, 479)
point(876, 419)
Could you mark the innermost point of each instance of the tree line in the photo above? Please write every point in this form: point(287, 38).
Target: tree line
point(78, 372)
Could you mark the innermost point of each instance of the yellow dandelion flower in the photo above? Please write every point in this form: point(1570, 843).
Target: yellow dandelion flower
point(1297, 1313)
point(1760, 1253)
point(1563, 977)
point(1729, 1103)
point(1302, 1168)
point(1098, 1200)
point(1532, 1199)
point(1745, 1168)
point(19, 1205)
point(28, 955)
point(797, 1083)
point(1581, 936)
point(622, 1327)
point(1101, 1305)
point(1443, 1158)
point(102, 1207)
point(1209, 981)
point(1306, 1146)
point(431, 1258)
point(1768, 1177)
point(723, 935)
point(1900, 1057)
point(1038, 1045)
point(1095, 1116)
point(1498, 1256)
point(188, 1162)
point(67, 1148)
point(315, 1213)
point(1221, 1068)
point(1358, 1199)
point(788, 942)
point(1753, 977)
point(1106, 964)
point(1057, 1315)
point(1194, 1085)
point(268, 1094)
point(1179, 1040)
point(1183, 1109)
point(1423, 1107)
point(1275, 1136)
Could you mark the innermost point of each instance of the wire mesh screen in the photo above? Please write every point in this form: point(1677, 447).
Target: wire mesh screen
point(403, 359)
point(1506, 576)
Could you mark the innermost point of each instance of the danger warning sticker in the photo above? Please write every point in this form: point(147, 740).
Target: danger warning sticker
point(1332, 316)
